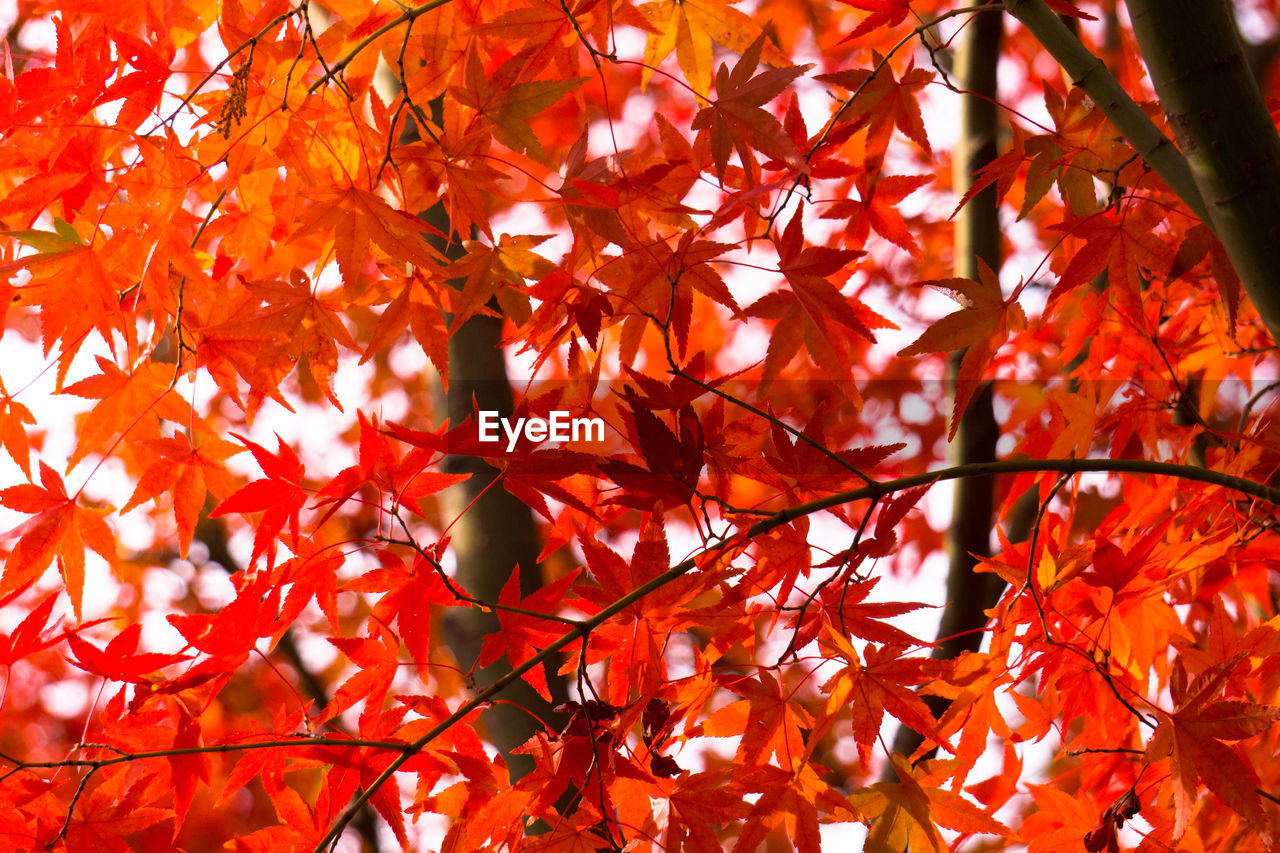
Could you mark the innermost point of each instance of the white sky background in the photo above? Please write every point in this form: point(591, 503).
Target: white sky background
point(21, 362)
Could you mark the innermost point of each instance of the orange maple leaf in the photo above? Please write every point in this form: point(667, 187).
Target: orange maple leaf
point(690, 27)
point(509, 104)
point(879, 685)
point(1125, 246)
point(359, 218)
point(127, 400)
point(500, 272)
point(905, 815)
point(770, 723)
point(979, 328)
point(697, 801)
point(73, 284)
point(190, 471)
point(14, 418)
point(60, 528)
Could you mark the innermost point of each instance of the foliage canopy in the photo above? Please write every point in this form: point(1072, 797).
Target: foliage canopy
point(250, 238)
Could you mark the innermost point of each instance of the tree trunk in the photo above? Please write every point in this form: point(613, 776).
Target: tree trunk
point(493, 533)
point(977, 239)
point(1222, 123)
point(1089, 73)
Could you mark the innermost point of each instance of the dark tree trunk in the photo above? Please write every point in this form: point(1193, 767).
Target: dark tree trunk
point(1225, 130)
point(494, 533)
point(977, 241)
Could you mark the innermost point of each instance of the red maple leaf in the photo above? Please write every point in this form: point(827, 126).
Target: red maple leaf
point(884, 13)
point(279, 497)
point(1193, 737)
point(736, 120)
point(883, 103)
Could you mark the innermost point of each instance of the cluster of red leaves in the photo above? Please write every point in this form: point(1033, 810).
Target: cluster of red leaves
point(193, 246)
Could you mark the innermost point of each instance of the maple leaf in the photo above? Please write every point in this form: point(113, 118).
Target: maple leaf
point(690, 27)
point(1083, 143)
point(498, 271)
point(807, 268)
point(408, 594)
point(688, 267)
point(229, 635)
point(31, 635)
point(697, 800)
point(766, 718)
point(791, 801)
point(813, 311)
point(60, 528)
point(74, 286)
point(14, 418)
point(311, 575)
point(127, 401)
point(417, 307)
point(884, 13)
point(360, 219)
point(271, 329)
point(801, 469)
point(456, 162)
point(876, 210)
point(1192, 736)
point(111, 811)
point(634, 639)
point(380, 465)
point(303, 328)
point(187, 772)
point(190, 472)
point(883, 103)
point(508, 104)
point(985, 313)
point(279, 497)
point(906, 814)
point(842, 607)
point(120, 660)
point(377, 659)
point(877, 686)
point(1124, 246)
point(735, 118)
point(674, 463)
point(522, 633)
point(979, 328)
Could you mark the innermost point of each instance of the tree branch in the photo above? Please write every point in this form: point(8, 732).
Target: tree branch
point(1217, 111)
point(1089, 73)
point(778, 519)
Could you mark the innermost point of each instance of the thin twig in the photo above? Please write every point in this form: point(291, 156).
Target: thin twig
point(409, 16)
